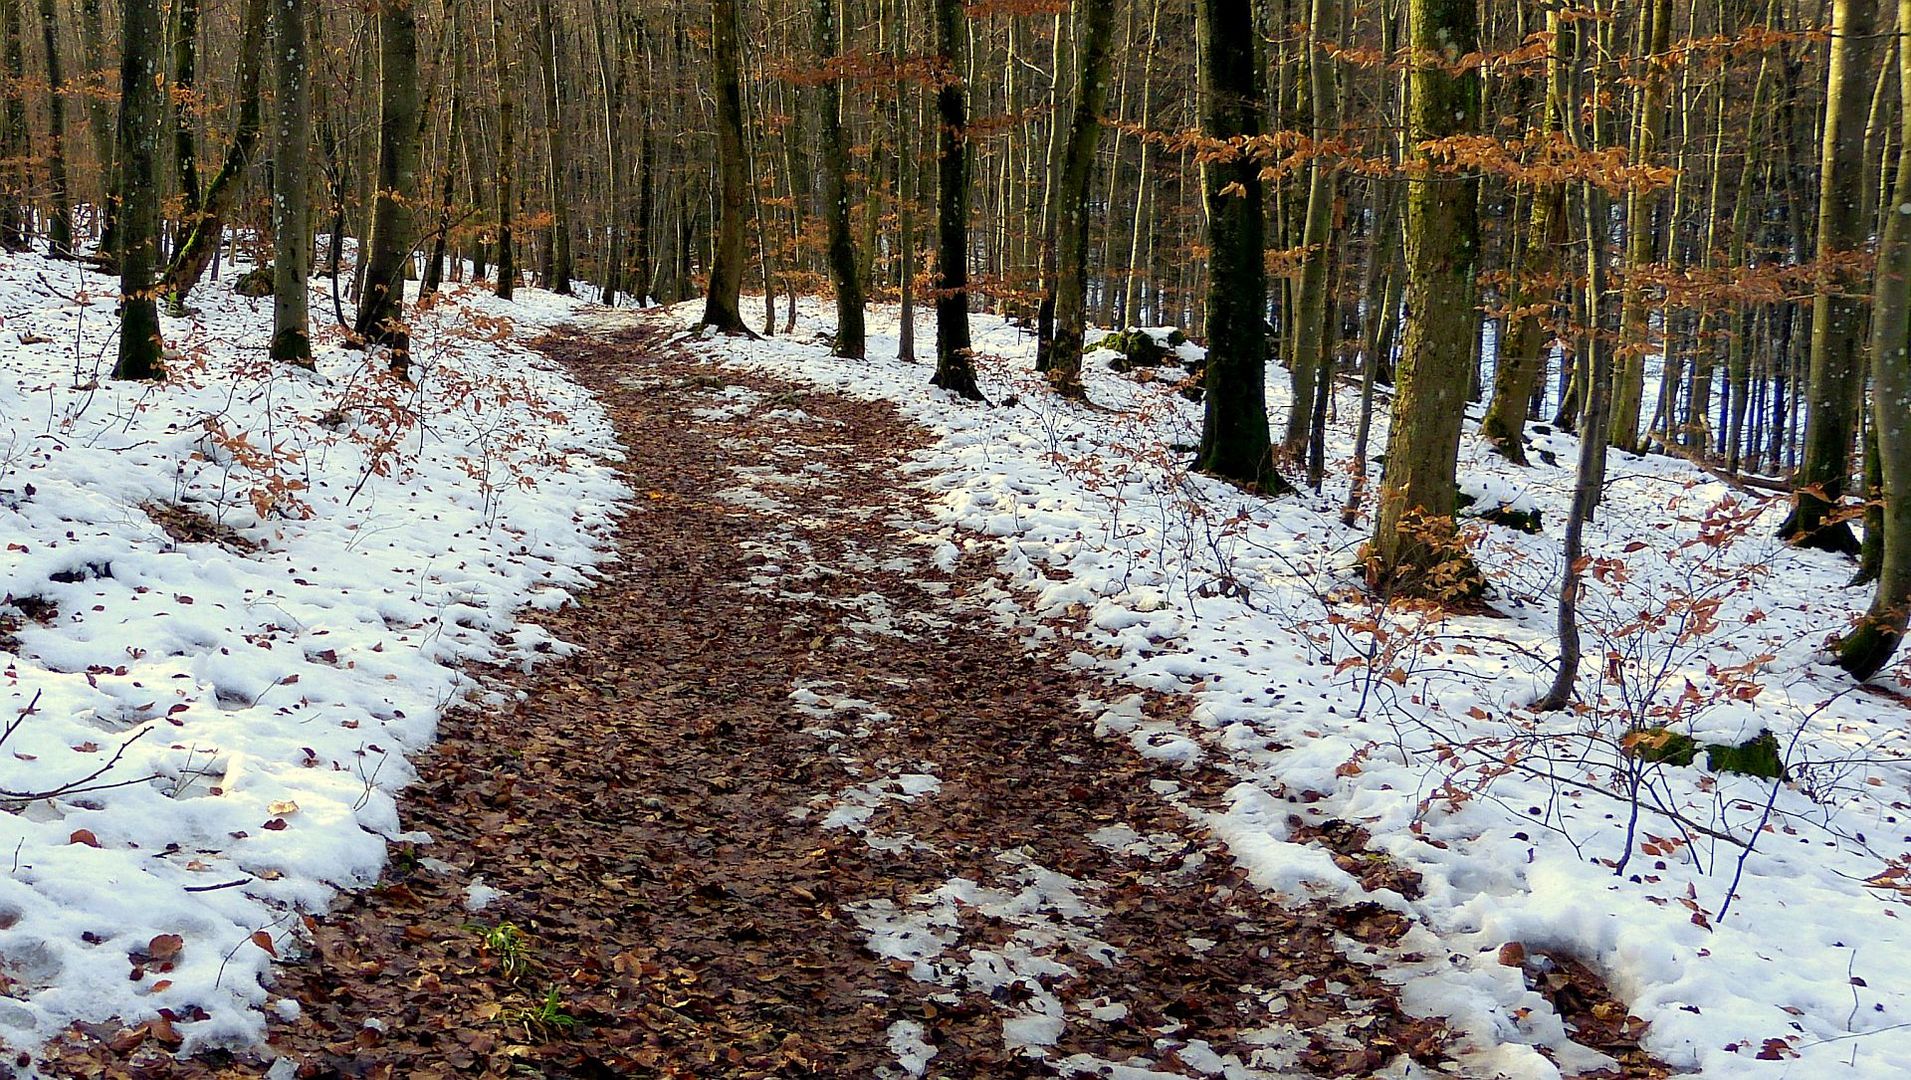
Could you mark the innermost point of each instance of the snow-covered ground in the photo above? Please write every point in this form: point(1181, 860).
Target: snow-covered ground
point(228, 606)
point(1540, 830)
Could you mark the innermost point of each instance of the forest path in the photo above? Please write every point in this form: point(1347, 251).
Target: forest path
point(798, 805)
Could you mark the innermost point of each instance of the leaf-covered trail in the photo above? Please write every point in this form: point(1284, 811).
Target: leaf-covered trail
point(800, 806)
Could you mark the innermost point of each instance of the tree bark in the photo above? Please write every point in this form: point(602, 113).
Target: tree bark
point(291, 187)
point(381, 314)
point(1310, 328)
point(13, 134)
point(141, 117)
point(834, 163)
point(502, 48)
point(1838, 312)
point(60, 224)
point(1235, 443)
point(1413, 549)
point(1071, 222)
point(955, 366)
point(723, 297)
point(1629, 377)
point(557, 159)
point(207, 227)
point(1869, 647)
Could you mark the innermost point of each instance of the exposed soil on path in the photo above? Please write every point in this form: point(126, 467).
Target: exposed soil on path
point(798, 805)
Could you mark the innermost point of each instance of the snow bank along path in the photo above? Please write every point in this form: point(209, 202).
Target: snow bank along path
point(1412, 726)
point(229, 604)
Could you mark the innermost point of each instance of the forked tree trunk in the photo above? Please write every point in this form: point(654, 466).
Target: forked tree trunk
point(141, 117)
point(207, 226)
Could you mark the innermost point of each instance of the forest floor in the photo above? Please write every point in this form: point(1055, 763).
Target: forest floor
point(796, 807)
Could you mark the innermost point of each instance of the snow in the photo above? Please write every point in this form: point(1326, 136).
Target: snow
point(1412, 725)
point(256, 685)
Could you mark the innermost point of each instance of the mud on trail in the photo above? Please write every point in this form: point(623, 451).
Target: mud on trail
point(797, 804)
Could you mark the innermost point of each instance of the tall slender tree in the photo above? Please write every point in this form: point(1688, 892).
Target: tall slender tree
point(206, 226)
point(721, 305)
point(503, 50)
point(381, 313)
point(1838, 311)
point(955, 362)
point(834, 164)
point(141, 114)
point(1073, 214)
point(59, 197)
point(291, 186)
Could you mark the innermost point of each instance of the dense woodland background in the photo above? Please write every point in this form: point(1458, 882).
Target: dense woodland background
point(1676, 224)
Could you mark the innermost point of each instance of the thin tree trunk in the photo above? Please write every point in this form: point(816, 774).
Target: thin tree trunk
point(13, 134)
point(1310, 309)
point(60, 226)
point(557, 160)
point(502, 48)
point(834, 163)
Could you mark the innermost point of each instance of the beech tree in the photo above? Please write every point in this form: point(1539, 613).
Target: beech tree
point(291, 195)
point(1412, 549)
point(381, 312)
point(721, 301)
point(140, 117)
point(955, 367)
point(834, 166)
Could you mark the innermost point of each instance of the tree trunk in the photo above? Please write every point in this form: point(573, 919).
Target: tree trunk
point(1071, 212)
point(1310, 309)
point(13, 134)
point(1629, 378)
point(723, 297)
point(208, 220)
point(60, 226)
point(1235, 443)
point(557, 160)
point(1868, 648)
point(834, 163)
point(1838, 311)
point(453, 18)
point(1523, 355)
point(955, 366)
point(183, 33)
point(1414, 549)
point(608, 70)
point(141, 116)
point(291, 196)
point(381, 315)
point(502, 48)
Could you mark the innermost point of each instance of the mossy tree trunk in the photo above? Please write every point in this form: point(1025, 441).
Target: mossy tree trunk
point(723, 297)
point(1836, 384)
point(141, 118)
point(1523, 356)
point(291, 187)
point(182, 32)
point(1869, 647)
point(955, 366)
point(381, 313)
point(1235, 443)
point(1310, 328)
point(1413, 549)
point(207, 223)
point(1097, 21)
point(1642, 239)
